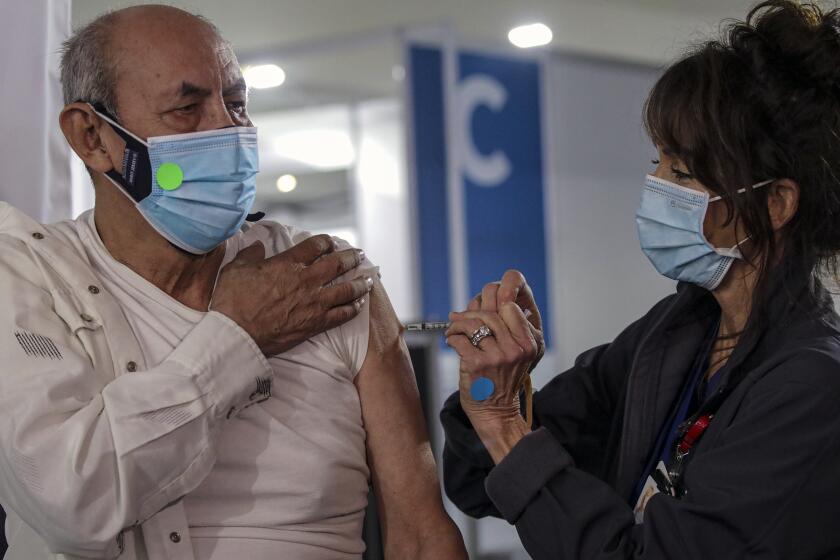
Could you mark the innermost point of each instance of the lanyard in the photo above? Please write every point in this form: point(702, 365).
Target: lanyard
point(689, 438)
point(693, 433)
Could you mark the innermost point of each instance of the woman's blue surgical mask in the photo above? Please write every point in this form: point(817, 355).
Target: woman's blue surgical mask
point(670, 226)
point(195, 189)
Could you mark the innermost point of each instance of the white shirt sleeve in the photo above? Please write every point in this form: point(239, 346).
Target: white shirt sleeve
point(82, 456)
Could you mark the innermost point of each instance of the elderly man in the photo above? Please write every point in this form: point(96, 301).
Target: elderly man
point(180, 386)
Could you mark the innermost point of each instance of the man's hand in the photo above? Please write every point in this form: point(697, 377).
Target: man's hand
point(285, 299)
point(513, 288)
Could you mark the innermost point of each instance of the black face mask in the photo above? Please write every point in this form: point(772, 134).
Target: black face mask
point(136, 179)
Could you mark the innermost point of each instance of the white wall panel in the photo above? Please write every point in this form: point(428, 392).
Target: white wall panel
point(36, 168)
point(599, 158)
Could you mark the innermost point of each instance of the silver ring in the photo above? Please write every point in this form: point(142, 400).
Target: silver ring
point(480, 334)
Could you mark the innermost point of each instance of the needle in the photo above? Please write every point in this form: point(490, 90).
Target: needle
point(429, 326)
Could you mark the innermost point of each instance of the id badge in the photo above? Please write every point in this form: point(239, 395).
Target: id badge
point(657, 482)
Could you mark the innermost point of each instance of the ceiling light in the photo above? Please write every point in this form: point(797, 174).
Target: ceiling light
point(286, 183)
point(264, 76)
point(320, 148)
point(533, 35)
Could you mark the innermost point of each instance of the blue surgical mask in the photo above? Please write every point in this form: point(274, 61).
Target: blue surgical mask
point(195, 189)
point(670, 226)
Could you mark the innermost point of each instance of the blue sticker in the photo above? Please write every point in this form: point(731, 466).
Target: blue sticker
point(481, 389)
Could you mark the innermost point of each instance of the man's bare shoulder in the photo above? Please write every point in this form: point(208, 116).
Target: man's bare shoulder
point(385, 328)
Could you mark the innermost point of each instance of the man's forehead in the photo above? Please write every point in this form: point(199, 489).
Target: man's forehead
point(161, 66)
point(169, 45)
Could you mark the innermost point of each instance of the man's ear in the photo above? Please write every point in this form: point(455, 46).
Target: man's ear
point(84, 131)
point(782, 202)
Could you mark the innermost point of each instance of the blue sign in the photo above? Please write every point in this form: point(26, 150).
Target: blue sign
point(497, 119)
point(430, 180)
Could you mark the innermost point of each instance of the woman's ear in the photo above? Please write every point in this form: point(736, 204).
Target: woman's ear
point(83, 130)
point(782, 202)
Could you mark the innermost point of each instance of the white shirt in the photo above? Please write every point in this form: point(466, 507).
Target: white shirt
point(117, 402)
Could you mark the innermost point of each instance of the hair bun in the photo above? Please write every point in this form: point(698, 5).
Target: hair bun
point(798, 43)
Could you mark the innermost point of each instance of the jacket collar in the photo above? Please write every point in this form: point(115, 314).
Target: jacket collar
point(791, 298)
point(665, 353)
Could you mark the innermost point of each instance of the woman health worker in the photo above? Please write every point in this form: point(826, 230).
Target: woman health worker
point(710, 427)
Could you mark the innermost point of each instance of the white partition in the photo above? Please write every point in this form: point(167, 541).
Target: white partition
point(36, 168)
point(381, 197)
point(598, 156)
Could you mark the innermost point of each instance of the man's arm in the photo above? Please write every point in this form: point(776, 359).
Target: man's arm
point(414, 523)
point(82, 457)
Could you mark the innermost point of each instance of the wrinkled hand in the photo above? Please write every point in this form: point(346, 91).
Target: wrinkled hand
point(514, 288)
point(505, 358)
point(285, 299)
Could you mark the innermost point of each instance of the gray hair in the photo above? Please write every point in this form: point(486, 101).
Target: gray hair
point(88, 73)
point(88, 69)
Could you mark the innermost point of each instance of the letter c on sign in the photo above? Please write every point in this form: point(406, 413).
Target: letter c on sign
point(484, 170)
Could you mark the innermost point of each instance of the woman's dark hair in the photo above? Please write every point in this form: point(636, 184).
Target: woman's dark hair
point(763, 102)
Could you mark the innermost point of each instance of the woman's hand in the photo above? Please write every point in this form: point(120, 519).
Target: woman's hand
point(505, 358)
point(513, 287)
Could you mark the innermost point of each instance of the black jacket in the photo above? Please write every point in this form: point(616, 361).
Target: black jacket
point(763, 482)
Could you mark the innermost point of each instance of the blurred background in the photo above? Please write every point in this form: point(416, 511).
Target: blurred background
point(451, 139)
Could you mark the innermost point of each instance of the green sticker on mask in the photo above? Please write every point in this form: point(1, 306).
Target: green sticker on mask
point(169, 176)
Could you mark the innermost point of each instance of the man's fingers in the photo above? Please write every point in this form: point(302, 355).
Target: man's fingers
point(309, 250)
point(488, 297)
point(252, 254)
point(328, 268)
point(337, 316)
point(346, 292)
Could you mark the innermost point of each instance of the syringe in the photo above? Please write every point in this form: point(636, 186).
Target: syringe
point(431, 326)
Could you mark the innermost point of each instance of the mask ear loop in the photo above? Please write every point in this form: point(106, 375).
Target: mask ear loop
point(137, 166)
point(103, 114)
point(737, 245)
point(742, 191)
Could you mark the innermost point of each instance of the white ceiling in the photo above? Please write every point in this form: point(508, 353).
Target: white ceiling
point(341, 51)
point(640, 30)
point(344, 51)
